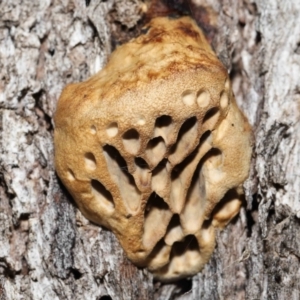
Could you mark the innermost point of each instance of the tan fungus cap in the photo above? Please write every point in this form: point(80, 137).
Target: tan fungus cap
point(155, 148)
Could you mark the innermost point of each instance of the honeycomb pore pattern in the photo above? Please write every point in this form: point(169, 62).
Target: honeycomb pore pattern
point(155, 148)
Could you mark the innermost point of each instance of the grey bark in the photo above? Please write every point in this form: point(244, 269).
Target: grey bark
point(48, 250)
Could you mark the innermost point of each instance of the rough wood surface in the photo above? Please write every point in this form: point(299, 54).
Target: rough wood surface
point(48, 250)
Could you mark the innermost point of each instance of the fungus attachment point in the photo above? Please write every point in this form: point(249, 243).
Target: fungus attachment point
point(156, 159)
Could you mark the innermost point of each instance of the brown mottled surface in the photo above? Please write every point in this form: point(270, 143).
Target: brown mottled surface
point(148, 146)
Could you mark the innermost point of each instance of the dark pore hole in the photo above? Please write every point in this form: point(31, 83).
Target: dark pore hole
point(154, 142)
point(160, 167)
point(99, 188)
point(205, 136)
point(178, 169)
point(155, 201)
point(212, 153)
point(229, 196)
point(140, 162)
point(163, 121)
point(157, 249)
point(210, 114)
point(90, 156)
point(189, 243)
point(175, 221)
point(118, 170)
point(186, 128)
point(117, 157)
point(131, 134)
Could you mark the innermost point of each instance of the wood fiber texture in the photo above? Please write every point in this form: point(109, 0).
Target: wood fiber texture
point(48, 250)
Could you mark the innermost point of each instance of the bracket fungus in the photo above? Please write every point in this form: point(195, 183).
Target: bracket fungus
point(154, 148)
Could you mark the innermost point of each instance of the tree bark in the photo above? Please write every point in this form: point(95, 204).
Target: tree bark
point(48, 250)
